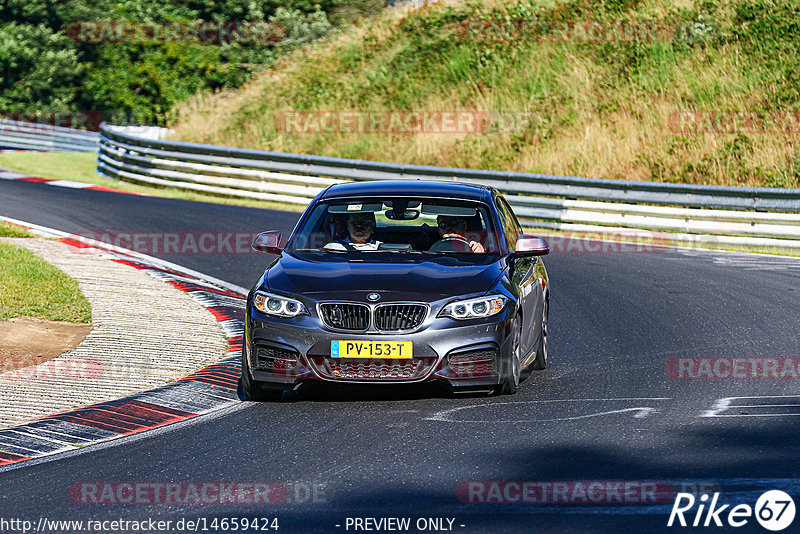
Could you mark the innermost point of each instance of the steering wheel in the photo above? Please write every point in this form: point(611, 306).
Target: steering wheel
point(451, 244)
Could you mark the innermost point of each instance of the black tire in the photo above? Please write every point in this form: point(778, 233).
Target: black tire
point(511, 369)
point(253, 390)
point(540, 362)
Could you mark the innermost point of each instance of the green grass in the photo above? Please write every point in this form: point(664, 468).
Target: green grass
point(77, 166)
point(81, 167)
point(11, 230)
point(599, 109)
point(31, 287)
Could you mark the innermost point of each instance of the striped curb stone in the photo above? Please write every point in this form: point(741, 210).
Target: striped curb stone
point(206, 390)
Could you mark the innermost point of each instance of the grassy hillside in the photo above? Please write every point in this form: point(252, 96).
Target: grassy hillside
point(604, 108)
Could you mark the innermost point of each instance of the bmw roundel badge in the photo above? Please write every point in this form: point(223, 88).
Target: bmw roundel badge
point(373, 297)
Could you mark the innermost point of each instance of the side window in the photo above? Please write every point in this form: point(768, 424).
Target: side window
point(508, 220)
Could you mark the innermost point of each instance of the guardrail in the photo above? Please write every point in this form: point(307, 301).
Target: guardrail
point(18, 135)
point(734, 215)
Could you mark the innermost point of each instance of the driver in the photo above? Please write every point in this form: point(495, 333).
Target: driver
point(453, 231)
point(360, 227)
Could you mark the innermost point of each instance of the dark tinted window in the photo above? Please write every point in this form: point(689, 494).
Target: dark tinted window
point(355, 228)
point(508, 221)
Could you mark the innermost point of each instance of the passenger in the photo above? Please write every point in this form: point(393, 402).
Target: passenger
point(453, 236)
point(360, 227)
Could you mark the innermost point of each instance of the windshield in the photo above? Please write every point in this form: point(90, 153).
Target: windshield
point(417, 228)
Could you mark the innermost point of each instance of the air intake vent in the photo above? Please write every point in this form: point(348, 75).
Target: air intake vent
point(373, 369)
point(274, 359)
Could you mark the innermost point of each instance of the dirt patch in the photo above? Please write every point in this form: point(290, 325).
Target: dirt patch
point(25, 341)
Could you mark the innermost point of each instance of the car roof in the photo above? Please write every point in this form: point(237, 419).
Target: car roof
point(428, 188)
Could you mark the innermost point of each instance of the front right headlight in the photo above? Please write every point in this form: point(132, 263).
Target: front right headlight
point(474, 308)
point(278, 305)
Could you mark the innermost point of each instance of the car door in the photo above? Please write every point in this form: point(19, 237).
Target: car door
point(523, 277)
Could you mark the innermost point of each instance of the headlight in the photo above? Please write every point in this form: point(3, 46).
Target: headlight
point(474, 308)
point(277, 305)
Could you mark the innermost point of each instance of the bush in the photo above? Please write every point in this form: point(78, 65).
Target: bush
point(39, 69)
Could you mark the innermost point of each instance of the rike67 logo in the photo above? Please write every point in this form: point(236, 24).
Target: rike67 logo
point(774, 511)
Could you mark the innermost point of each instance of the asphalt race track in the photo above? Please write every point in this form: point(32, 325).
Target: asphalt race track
point(606, 409)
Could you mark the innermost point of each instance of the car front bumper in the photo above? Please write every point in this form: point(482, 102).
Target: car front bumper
point(286, 353)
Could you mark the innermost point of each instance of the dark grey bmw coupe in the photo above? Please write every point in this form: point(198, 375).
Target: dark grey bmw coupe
point(399, 282)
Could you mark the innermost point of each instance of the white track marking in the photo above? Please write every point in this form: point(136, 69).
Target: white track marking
point(333, 472)
point(747, 261)
point(640, 412)
point(763, 405)
point(70, 184)
point(724, 404)
point(757, 264)
point(11, 175)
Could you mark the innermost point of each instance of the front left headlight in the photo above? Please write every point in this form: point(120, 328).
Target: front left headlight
point(475, 308)
point(278, 305)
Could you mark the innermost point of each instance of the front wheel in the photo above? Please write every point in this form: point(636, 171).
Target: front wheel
point(253, 390)
point(512, 369)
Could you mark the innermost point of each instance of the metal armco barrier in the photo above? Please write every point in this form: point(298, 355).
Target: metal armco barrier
point(755, 216)
point(17, 135)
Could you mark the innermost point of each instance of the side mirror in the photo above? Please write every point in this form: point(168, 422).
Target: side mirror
point(531, 245)
point(268, 242)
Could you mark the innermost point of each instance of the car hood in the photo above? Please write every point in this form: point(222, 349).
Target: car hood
point(413, 281)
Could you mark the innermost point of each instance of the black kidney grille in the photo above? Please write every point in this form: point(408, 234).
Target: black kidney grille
point(389, 317)
point(345, 316)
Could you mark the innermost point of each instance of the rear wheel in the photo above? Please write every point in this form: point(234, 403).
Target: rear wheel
point(253, 390)
point(512, 368)
point(540, 362)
